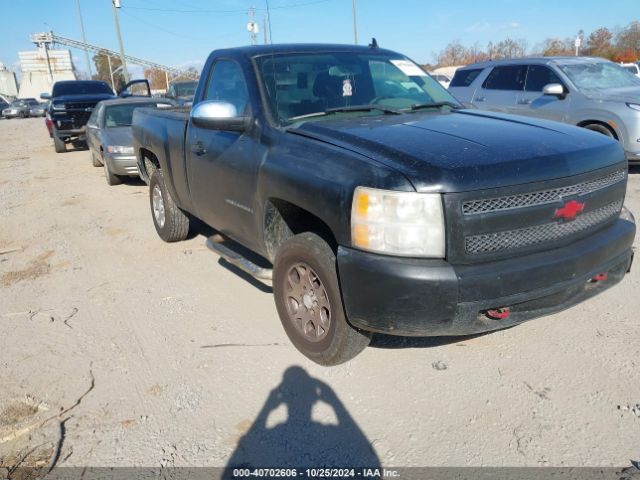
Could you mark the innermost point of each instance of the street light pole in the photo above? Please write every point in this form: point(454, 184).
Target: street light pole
point(355, 27)
point(84, 39)
point(116, 5)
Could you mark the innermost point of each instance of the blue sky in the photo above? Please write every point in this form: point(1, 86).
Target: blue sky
point(183, 32)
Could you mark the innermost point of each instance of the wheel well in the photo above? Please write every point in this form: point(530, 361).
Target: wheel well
point(283, 220)
point(149, 162)
point(598, 122)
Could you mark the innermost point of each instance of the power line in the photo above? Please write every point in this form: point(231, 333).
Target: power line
point(243, 11)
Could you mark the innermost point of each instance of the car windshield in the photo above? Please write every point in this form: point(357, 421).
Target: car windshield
point(187, 89)
point(303, 86)
point(121, 115)
point(599, 75)
point(18, 103)
point(79, 88)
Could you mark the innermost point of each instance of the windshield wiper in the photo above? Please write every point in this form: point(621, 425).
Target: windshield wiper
point(351, 108)
point(420, 106)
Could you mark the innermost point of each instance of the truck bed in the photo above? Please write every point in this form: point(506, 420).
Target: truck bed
point(162, 131)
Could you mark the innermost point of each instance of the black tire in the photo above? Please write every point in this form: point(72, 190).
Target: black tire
point(174, 226)
point(110, 177)
point(597, 127)
point(94, 160)
point(59, 144)
point(339, 342)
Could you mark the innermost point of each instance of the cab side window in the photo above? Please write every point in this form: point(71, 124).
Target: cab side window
point(226, 83)
point(508, 77)
point(538, 76)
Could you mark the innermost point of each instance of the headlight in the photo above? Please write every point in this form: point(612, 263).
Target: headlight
point(635, 106)
point(398, 223)
point(625, 214)
point(58, 106)
point(120, 149)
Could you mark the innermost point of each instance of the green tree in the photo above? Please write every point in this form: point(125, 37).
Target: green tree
point(101, 61)
point(599, 43)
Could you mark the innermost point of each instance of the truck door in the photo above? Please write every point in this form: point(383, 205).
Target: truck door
point(500, 90)
point(222, 165)
point(532, 102)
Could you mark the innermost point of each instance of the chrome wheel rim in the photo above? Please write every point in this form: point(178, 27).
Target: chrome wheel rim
point(158, 206)
point(307, 302)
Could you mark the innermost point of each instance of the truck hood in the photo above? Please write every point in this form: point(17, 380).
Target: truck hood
point(467, 149)
point(83, 98)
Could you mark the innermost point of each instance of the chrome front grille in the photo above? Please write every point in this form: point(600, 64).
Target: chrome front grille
point(548, 232)
point(541, 197)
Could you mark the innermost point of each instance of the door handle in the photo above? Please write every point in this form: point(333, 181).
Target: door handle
point(479, 99)
point(524, 102)
point(198, 148)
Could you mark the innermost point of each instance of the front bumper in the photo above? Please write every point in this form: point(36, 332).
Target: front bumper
point(423, 297)
point(122, 164)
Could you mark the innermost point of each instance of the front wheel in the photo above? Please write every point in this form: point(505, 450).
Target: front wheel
point(58, 144)
point(308, 300)
point(172, 224)
point(111, 178)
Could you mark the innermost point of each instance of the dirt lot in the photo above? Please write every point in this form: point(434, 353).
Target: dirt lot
point(153, 354)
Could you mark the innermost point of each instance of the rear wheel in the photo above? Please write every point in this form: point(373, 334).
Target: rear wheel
point(172, 224)
point(308, 300)
point(59, 144)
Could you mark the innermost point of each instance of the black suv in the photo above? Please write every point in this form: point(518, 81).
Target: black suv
point(72, 102)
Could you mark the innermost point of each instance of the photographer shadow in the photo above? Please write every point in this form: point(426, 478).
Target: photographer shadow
point(300, 441)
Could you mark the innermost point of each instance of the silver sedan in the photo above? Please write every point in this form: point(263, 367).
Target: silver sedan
point(109, 135)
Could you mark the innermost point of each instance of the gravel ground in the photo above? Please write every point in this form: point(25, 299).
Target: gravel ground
point(155, 354)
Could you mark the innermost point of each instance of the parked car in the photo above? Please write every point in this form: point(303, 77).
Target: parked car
point(436, 220)
point(19, 108)
point(182, 92)
point(442, 79)
point(588, 92)
point(71, 104)
point(109, 136)
point(3, 106)
point(39, 109)
point(631, 67)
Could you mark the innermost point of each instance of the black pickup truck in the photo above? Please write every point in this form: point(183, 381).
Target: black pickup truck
point(71, 104)
point(375, 203)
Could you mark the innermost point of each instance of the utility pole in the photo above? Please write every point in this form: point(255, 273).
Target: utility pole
point(113, 84)
point(264, 28)
point(84, 39)
point(252, 26)
point(116, 5)
point(355, 27)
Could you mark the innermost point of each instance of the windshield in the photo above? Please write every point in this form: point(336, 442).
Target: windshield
point(79, 88)
point(187, 89)
point(599, 76)
point(122, 115)
point(18, 103)
point(304, 84)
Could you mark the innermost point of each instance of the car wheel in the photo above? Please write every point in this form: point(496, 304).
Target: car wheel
point(94, 160)
point(308, 300)
point(111, 178)
point(171, 223)
point(59, 144)
point(597, 127)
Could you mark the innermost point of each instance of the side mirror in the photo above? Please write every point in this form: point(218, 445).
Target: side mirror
point(45, 96)
point(218, 115)
point(554, 89)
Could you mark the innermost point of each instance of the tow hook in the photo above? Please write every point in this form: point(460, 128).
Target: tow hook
point(601, 277)
point(498, 313)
